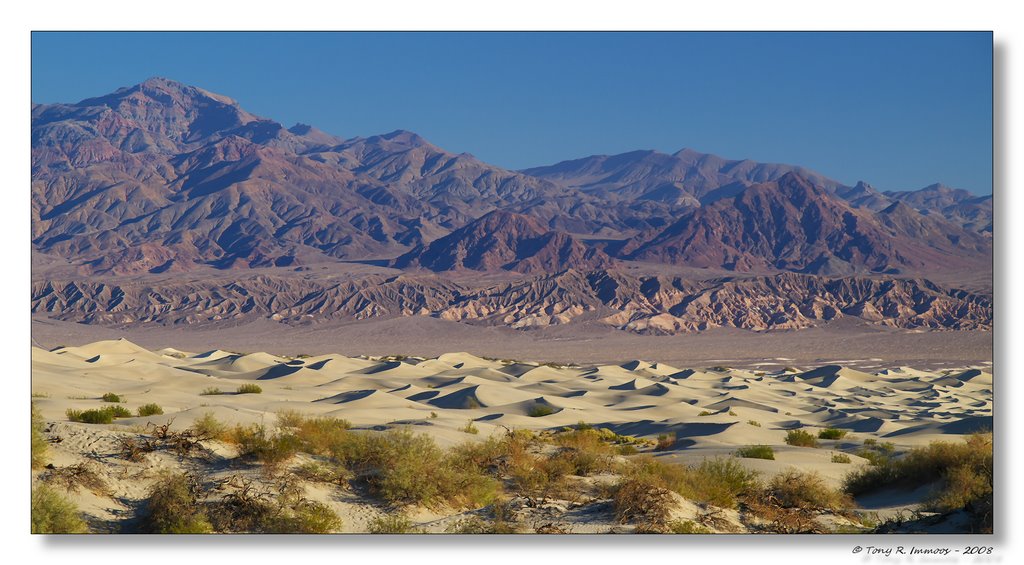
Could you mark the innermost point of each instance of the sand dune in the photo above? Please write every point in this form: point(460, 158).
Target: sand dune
point(709, 411)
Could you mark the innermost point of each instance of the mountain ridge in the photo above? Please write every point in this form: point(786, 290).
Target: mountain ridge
point(168, 166)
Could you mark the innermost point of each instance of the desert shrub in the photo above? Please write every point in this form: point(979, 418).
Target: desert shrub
point(585, 451)
point(514, 458)
point(469, 428)
point(73, 477)
point(277, 509)
point(686, 527)
point(840, 458)
point(869, 442)
point(405, 468)
point(665, 441)
point(706, 413)
point(832, 433)
point(150, 410)
point(324, 436)
point(119, 411)
point(801, 438)
point(540, 410)
point(306, 517)
point(963, 485)
point(754, 423)
point(643, 500)
point(53, 513)
point(209, 426)
point(111, 397)
point(626, 449)
point(433, 415)
point(396, 523)
point(39, 443)
point(103, 415)
point(270, 449)
point(318, 472)
point(477, 525)
point(797, 489)
point(650, 470)
point(756, 452)
point(719, 481)
point(962, 471)
point(90, 416)
point(873, 456)
point(210, 391)
point(174, 507)
point(250, 388)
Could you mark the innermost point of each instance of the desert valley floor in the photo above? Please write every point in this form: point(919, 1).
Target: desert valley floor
point(685, 414)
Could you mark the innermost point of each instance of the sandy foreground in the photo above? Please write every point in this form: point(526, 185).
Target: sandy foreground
point(712, 411)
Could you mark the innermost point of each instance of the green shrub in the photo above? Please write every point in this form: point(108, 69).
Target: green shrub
point(276, 509)
point(797, 489)
point(686, 527)
point(209, 426)
point(90, 416)
point(706, 413)
point(270, 449)
point(396, 523)
point(103, 415)
point(477, 525)
point(119, 411)
point(210, 391)
point(318, 472)
point(173, 507)
point(584, 451)
point(52, 513)
point(719, 481)
point(514, 458)
point(306, 517)
point(409, 469)
point(540, 410)
point(756, 452)
point(150, 410)
point(840, 458)
point(962, 470)
point(251, 388)
point(832, 433)
point(469, 428)
point(325, 436)
point(665, 441)
point(627, 449)
point(39, 443)
point(111, 397)
point(644, 500)
point(754, 423)
point(800, 438)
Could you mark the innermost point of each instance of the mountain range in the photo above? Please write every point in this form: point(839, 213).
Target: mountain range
point(163, 177)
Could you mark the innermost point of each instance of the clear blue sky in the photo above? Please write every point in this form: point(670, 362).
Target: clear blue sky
point(899, 110)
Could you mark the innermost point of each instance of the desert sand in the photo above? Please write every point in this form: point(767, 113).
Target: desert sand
point(711, 411)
